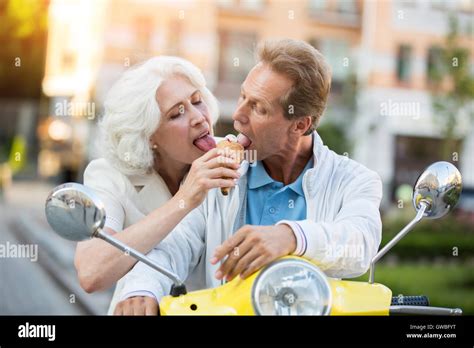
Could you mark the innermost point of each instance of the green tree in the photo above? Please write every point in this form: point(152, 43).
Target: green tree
point(337, 134)
point(452, 70)
point(23, 35)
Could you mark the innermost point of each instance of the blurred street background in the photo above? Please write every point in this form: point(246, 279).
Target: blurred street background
point(402, 98)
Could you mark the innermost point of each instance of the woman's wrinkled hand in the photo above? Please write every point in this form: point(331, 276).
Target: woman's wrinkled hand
point(214, 169)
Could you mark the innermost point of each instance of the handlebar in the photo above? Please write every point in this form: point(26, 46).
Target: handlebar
point(401, 300)
point(418, 305)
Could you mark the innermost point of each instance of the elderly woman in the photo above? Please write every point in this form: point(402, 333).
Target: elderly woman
point(158, 163)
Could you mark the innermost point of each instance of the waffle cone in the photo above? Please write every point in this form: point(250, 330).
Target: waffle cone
point(232, 147)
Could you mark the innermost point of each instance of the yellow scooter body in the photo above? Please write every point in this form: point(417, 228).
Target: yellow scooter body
point(359, 298)
point(235, 298)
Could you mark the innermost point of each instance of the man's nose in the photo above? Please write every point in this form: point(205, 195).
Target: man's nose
point(241, 114)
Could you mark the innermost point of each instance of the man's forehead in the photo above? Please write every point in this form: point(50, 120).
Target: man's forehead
point(265, 82)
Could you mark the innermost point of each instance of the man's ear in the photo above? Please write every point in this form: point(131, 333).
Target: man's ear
point(302, 124)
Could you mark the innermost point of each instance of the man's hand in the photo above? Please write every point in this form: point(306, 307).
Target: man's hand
point(138, 305)
point(251, 248)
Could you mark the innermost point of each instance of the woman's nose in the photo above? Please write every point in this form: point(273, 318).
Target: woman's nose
point(197, 117)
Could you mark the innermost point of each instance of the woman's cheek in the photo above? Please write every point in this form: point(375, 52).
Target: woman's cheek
point(181, 129)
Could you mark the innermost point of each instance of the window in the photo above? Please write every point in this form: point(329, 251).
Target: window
point(225, 3)
point(236, 57)
point(407, 3)
point(252, 5)
point(466, 6)
point(174, 37)
point(336, 52)
point(317, 5)
point(348, 6)
point(404, 63)
point(143, 30)
point(438, 4)
point(434, 64)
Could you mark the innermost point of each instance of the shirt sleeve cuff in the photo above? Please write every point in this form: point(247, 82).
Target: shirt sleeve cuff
point(301, 242)
point(133, 288)
point(113, 223)
point(138, 293)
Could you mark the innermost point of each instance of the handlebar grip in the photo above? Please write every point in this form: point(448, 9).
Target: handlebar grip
point(401, 300)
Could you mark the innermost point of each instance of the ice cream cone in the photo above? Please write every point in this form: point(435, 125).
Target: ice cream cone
point(234, 148)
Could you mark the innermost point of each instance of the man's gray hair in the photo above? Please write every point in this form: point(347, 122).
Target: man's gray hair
point(308, 70)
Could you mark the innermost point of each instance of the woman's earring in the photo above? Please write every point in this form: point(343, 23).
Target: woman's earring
point(154, 147)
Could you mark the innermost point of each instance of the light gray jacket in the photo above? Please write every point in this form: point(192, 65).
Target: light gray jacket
point(341, 233)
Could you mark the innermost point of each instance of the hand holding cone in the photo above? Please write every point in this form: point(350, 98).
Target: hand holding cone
point(235, 149)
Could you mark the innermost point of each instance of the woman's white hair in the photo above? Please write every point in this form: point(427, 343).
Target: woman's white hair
point(132, 115)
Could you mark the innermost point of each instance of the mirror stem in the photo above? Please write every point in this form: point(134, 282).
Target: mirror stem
point(139, 256)
point(419, 215)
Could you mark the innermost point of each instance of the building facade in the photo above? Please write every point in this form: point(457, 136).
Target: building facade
point(386, 47)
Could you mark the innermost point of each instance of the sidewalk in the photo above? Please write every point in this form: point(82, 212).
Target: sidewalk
point(22, 218)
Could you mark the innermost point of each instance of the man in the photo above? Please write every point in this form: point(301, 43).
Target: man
point(300, 198)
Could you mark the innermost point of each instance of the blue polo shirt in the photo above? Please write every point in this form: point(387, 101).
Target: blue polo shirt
point(269, 201)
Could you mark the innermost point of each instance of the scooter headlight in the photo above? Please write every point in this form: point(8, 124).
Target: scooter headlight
point(291, 287)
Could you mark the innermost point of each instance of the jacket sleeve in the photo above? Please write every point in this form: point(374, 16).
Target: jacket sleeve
point(344, 247)
point(108, 184)
point(179, 252)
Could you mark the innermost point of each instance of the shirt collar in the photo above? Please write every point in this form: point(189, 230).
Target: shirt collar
point(297, 185)
point(258, 176)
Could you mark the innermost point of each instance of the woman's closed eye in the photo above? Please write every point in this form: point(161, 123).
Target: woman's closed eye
point(196, 101)
point(179, 111)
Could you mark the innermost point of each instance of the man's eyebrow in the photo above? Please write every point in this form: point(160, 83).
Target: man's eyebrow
point(180, 102)
point(257, 100)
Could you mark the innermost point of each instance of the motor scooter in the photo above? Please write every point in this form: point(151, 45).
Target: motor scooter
point(288, 286)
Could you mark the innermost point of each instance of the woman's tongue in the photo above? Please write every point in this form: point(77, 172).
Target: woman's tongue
point(205, 143)
point(243, 140)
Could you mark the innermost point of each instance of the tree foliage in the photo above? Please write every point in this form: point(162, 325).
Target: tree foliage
point(23, 35)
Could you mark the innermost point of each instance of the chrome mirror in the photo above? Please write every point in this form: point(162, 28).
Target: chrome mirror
point(439, 186)
point(435, 193)
point(74, 212)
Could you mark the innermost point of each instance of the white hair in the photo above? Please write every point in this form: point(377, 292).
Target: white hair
point(132, 115)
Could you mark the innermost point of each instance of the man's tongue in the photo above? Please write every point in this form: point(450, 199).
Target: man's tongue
point(243, 140)
point(205, 143)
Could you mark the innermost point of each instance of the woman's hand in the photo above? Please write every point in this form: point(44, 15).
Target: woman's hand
point(214, 169)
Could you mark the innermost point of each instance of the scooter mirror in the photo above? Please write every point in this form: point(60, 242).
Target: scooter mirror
point(74, 212)
point(439, 186)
